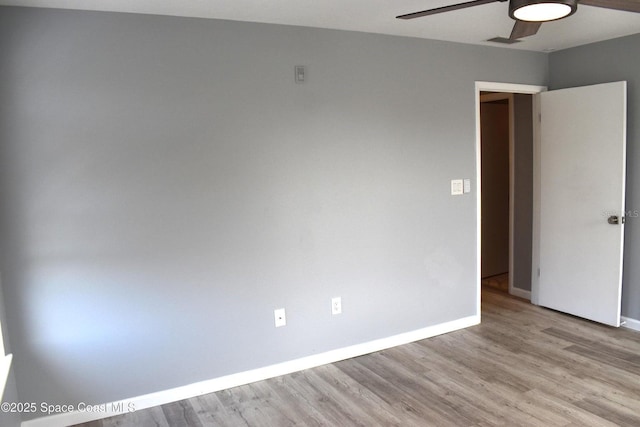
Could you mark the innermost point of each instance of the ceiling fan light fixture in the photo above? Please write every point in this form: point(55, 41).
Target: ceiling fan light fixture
point(541, 10)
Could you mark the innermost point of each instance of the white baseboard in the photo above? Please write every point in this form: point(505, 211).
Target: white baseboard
point(5, 367)
point(520, 293)
point(630, 323)
point(242, 378)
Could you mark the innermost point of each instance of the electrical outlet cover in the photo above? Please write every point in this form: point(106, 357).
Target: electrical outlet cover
point(280, 317)
point(336, 305)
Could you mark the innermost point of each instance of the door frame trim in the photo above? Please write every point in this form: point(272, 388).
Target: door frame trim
point(484, 86)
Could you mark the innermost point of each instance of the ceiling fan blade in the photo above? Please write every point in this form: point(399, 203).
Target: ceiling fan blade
point(626, 5)
point(446, 9)
point(524, 29)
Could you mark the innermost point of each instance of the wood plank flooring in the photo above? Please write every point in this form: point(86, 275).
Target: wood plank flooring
point(523, 366)
point(499, 281)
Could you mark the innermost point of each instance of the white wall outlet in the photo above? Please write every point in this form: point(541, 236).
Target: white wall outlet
point(457, 187)
point(280, 317)
point(336, 305)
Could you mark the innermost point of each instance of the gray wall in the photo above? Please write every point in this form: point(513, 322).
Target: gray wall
point(609, 61)
point(166, 185)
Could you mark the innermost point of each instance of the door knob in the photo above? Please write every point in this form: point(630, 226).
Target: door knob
point(613, 220)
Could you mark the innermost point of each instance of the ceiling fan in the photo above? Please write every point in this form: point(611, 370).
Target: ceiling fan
point(530, 14)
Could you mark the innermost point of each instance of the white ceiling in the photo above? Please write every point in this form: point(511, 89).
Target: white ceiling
point(472, 25)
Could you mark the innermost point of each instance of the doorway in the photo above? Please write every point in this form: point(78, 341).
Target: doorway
point(591, 185)
point(496, 155)
point(505, 156)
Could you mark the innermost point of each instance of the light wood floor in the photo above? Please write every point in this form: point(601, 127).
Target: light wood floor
point(499, 281)
point(523, 366)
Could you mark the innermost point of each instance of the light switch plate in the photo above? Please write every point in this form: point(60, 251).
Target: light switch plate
point(467, 186)
point(301, 73)
point(457, 187)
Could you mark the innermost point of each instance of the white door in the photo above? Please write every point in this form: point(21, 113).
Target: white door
point(582, 185)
